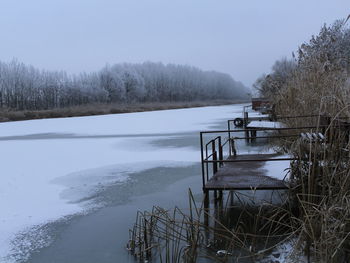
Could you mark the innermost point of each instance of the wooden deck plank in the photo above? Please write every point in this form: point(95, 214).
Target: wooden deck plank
point(244, 175)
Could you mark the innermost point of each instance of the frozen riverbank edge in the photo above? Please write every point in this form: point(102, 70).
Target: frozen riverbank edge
point(103, 109)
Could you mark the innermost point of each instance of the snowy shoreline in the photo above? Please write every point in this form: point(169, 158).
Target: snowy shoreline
point(107, 109)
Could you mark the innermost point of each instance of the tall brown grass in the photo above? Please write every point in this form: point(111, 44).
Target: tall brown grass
point(321, 169)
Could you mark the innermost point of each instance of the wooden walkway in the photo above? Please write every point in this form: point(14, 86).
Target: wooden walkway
point(244, 175)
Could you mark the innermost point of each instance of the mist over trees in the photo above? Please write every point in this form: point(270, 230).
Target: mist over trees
point(24, 87)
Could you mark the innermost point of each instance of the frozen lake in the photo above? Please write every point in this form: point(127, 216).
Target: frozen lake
point(71, 187)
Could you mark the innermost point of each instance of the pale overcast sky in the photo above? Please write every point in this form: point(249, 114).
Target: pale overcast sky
point(242, 38)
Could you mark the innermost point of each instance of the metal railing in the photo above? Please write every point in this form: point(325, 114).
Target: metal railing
point(220, 149)
point(215, 152)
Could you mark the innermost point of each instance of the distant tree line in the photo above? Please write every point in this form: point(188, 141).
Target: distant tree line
point(24, 87)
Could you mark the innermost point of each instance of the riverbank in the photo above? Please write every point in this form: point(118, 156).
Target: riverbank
point(103, 109)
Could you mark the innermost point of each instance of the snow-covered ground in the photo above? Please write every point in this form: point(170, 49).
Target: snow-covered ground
point(96, 150)
point(287, 251)
point(152, 122)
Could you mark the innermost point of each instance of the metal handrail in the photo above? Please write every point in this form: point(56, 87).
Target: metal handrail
point(212, 141)
point(205, 161)
point(269, 129)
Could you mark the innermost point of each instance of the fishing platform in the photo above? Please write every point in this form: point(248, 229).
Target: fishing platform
point(245, 173)
point(225, 170)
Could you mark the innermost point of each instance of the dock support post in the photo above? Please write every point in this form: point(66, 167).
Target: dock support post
point(215, 167)
point(245, 121)
point(233, 147)
point(215, 159)
point(202, 161)
point(229, 129)
point(206, 209)
point(247, 135)
point(221, 155)
point(252, 135)
point(245, 124)
point(231, 198)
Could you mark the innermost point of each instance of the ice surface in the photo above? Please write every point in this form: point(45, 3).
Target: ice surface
point(44, 151)
point(278, 169)
point(166, 121)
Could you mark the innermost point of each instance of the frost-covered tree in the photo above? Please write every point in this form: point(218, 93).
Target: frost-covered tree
point(26, 88)
point(113, 84)
point(271, 84)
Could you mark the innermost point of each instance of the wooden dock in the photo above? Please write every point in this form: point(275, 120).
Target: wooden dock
point(245, 174)
point(223, 169)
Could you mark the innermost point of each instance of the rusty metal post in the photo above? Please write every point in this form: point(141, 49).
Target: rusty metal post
point(220, 194)
point(215, 158)
point(221, 156)
point(253, 135)
point(233, 147)
point(245, 124)
point(229, 129)
point(245, 121)
point(247, 135)
point(231, 198)
point(202, 161)
point(206, 207)
point(215, 162)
